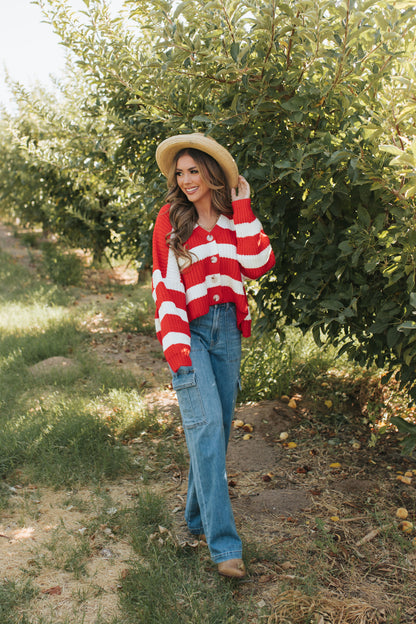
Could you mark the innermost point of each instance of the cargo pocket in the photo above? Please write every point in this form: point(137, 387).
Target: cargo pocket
point(184, 383)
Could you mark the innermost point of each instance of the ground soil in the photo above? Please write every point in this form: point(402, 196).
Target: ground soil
point(328, 483)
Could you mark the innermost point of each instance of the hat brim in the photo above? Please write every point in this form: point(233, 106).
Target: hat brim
point(168, 149)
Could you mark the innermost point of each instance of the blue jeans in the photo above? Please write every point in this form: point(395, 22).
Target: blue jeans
point(207, 393)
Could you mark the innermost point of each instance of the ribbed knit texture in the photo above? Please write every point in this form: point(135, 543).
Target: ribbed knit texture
point(235, 249)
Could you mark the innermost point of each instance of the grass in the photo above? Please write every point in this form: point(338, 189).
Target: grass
point(271, 368)
point(56, 423)
point(116, 470)
point(169, 584)
point(14, 595)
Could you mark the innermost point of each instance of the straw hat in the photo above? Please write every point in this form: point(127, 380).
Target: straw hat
point(168, 149)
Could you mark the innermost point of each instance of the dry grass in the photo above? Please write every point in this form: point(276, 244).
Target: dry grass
point(294, 607)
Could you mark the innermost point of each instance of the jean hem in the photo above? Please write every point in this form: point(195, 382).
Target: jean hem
point(232, 554)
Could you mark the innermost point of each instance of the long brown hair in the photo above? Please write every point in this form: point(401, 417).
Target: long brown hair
point(182, 213)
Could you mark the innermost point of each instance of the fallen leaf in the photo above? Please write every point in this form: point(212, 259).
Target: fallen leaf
point(315, 492)
point(291, 445)
point(335, 465)
point(287, 565)
point(303, 469)
point(334, 518)
point(292, 403)
point(328, 403)
point(53, 591)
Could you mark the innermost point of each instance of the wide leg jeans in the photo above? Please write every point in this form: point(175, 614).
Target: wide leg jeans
point(207, 393)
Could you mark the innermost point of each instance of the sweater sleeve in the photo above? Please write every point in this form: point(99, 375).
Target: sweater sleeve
point(254, 251)
point(171, 318)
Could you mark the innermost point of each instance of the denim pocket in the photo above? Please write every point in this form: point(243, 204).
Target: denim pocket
point(184, 383)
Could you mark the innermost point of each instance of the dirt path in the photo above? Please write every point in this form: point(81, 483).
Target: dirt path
point(290, 492)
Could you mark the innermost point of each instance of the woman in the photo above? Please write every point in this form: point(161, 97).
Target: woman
point(206, 241)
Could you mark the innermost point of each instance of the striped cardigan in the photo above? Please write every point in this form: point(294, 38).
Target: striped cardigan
point(235, 249)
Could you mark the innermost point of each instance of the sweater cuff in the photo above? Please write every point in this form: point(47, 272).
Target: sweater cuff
point(242, 211)
point(177, 358)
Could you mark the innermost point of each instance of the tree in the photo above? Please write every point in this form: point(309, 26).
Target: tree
point(316, 101)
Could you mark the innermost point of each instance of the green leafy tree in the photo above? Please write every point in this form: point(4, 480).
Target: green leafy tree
point(316, 101)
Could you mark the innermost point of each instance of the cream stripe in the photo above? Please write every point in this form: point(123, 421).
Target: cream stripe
point(244, 230)
point(175, 338)
point(228, 251)
point(200, 290)
point(168, 307)
point(171, 282)
point(257, 261)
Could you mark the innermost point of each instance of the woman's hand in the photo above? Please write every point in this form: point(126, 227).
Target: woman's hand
point(243, 189)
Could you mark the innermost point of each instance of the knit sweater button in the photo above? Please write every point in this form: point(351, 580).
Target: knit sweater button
point(216, 298)
point(214, 259)
point(210, 237)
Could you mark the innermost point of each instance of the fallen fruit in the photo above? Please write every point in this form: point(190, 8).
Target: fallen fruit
point(284, 435)
point(238, 424)
point(247, 427)
point(292, 403)
point(402, 513)
point(406, 526)
point(247, 436)
point(291, 445)
point(406, 480)
point(335, 465)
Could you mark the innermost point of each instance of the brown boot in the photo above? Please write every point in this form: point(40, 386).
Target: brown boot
point(233, 568)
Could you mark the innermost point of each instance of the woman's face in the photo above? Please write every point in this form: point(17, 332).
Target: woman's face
point(189, 180)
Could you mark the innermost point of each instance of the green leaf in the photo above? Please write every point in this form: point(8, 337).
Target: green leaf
point(406, 325)
point(391, 149)
point(363, 216)
point(234, 51)
point(404, 426)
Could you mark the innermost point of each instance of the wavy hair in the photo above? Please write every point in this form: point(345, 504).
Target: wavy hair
point(182, 213)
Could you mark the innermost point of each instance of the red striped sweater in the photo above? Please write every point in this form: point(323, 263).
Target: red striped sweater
point(235, 249)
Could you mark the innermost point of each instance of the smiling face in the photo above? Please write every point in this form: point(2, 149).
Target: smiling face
point(190, 181)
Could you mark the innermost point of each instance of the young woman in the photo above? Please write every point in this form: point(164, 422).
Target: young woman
point(206, 241)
